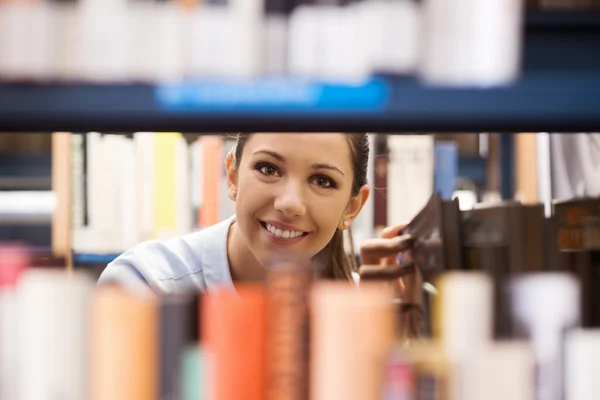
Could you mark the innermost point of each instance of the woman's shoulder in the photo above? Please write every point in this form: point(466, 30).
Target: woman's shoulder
point(183, 263)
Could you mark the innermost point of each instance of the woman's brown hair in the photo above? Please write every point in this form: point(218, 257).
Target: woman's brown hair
point(338, 264)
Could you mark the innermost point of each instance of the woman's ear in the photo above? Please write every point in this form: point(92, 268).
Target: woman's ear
point(231, 175)
point(354, 206)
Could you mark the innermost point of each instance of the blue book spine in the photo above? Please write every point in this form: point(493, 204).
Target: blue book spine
point(446, 168)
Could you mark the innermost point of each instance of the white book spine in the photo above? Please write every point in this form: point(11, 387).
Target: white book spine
point(183, 216)
point(128, 220)
point(214, 57)
point(26, 34)
point(582, 362)
point(249, 33)
point(410, 176)
point(169, 48)
point(105, 55)
point(304, 43)
point(9, 338)
point(471, 42)
point(53, 335)
point(466, 313)
point(144, 155)
point(144, 37)
point(64, 47)
point(544, 308)
point(504, 370)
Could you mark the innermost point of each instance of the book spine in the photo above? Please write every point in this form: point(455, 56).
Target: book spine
point(237, 340)
point(212, 148)
point(14, 261)
point(144, 177)
point(463, 312)
point(165, 187)
point(505, 365)
point(178, 334)
point(446, 168)
point(352, 331)
point(582, 350)
point(544, 308)
point(288, 289)
point(411, 165)
point(124, 345)
point(54, 334)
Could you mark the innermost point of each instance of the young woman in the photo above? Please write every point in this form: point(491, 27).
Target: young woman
point(295, 194)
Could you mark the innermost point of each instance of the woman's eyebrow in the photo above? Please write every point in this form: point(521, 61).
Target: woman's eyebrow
point(328, 166)
point(273, 154)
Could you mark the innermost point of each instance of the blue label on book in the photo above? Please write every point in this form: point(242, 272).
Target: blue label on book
point(273, 95)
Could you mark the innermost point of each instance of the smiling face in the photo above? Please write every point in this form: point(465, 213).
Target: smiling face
point(292, 192)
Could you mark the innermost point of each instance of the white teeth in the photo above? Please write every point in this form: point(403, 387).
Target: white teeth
point(283, 234)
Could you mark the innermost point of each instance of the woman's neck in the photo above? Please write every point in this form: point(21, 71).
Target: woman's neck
point(244, 267)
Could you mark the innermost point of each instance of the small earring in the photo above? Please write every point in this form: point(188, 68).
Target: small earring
point(233, 193)
point(346, 223)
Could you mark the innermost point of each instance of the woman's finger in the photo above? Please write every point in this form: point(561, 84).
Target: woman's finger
point(374, 250)
point(392, 231)
point(384, 273)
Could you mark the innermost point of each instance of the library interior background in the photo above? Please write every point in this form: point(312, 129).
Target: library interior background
point(117, 118)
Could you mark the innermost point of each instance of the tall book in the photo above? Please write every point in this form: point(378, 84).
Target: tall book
point(349, 366)
point(463, 312)
point(212, 163)
point(54, 334)
point(446, 168)
point(124, 345)
point(14, 261)
point(236, 341)
point(517, 226)
point(579, 247)
point(411, 165)
point(165, 184)
point(288, 289)
point(178, 332)
point(544, 309)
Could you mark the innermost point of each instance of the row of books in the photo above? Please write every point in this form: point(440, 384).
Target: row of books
point(509, 238)
point(169, 40)
point(129, 189)
point(293, 337)
point(125, 189)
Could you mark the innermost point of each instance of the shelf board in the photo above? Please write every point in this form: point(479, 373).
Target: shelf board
point(542, 102)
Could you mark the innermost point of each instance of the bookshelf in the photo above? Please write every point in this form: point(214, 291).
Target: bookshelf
point(557, 91)
point(542, 102)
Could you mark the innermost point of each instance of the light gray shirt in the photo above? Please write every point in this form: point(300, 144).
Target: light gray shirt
point(196, 262)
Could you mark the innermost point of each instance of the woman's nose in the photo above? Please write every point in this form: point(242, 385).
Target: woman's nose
point(290, 201)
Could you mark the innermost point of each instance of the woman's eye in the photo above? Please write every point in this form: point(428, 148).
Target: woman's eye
point(267, 170)
point(324, 182)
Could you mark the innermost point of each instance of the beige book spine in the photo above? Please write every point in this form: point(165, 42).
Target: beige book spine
point(352, 331)
point(124, 346)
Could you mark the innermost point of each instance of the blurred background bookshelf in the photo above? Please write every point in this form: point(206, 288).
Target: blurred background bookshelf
point(111, 137)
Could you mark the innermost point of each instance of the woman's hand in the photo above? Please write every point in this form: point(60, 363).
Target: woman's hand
point(379, 262)
point(379, 257)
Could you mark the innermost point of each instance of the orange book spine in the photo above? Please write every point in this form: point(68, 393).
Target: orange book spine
point(124, 346)
point(212, 148)
point(237, 343)
point(288, 288)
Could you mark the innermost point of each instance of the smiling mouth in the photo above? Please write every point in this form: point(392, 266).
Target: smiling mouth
point(280, 233)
